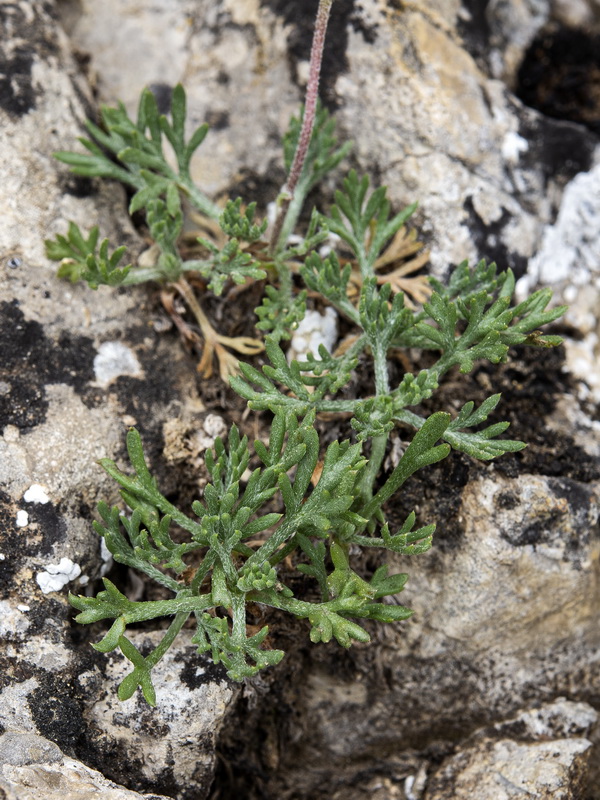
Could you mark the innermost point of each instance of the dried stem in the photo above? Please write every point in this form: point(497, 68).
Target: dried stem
point(310, 110)
point(214, 341)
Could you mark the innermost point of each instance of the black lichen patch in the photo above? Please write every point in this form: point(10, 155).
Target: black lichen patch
point(560, 76)
point(48, 618)
point(22, 42)
point(217, 119)
point(488, 239)
point(530, 383)
point(559, 149)
point(163, 94)
point(435, 494)
point(474, 29)
point(506, 500)
point(50, 524)
point(300, 16)
point(106, 755)
point(57, 715)
point(565, 526)
point(30, 361)
point(76, 185)
point(261, 189)
point(46, 528)
point(198, 670)
point(535, 533)
point(17, 95)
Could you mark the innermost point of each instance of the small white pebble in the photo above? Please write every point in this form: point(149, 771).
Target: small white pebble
point(36, 494)
point(57, 575)
point(84, 580)
point(23, 608)
point(314, 330)
point(22, 519)
point(11, 434)
point(107, 559)
point(214, 425)
point(2, 557)
point(105, 553)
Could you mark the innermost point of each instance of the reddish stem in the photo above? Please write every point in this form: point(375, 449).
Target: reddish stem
point(310, 111)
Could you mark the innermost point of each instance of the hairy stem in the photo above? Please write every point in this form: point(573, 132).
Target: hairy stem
point(310, 110)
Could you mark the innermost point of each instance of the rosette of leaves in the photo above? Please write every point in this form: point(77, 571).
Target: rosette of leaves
point(234, 549)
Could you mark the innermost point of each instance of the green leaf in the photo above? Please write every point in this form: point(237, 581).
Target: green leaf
point(140, 676)
point(421, 452)
point(384, 584)
point(327, 624)
point(480, 444)
point(139, 147)
point(230, 263)
point(240, 225)
point(279, 314)
point(364, 224)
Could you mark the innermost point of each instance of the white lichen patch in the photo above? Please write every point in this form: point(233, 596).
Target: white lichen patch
point(36, 494)
point(314, 330)
point(22, 519)
point(13, 622)
point(512, 147)
point(48, 655)
point(113, 360)
point(570, 250)
point(55, 576)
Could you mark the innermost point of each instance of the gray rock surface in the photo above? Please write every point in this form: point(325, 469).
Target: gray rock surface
point(60, 411)
point(507, 602)
point(547, 761)
point(33, 768)
point(487, 172)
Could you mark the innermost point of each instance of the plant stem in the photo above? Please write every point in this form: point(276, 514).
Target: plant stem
point(168, 639)
point(310, 110)
point(371, 471)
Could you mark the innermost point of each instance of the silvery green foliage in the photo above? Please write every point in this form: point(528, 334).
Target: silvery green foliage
point(236, 543)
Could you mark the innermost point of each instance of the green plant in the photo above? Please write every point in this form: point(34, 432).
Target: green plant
point(302, 510)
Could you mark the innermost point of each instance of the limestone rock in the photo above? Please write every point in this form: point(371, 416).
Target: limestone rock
point(60, 412)
point(546, 759)
point(33, 768)
point(568, 260)
point(436, 126)
point(174, 742)
point(506, 602)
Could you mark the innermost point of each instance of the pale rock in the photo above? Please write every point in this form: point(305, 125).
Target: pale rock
point(435, 126)
point(502, 615)
point(34, 768)
point(548, 760)
point(58, 422)
point(13, 622)
point(568, 261)
point(192, 698)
